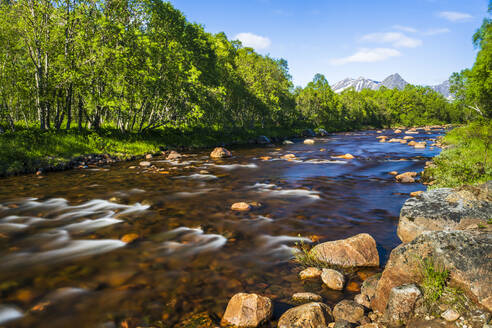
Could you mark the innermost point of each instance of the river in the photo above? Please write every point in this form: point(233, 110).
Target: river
point(62, 263)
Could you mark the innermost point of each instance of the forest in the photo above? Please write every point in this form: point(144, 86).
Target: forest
point(131, 69)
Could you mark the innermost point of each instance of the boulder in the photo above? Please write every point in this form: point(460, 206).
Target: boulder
point(393, 172)
point(247, 310)
point(173, 155)
point(241, 207)
point(322, 132)
point(407, 177)
point(446, 209)
point(310, 273)
point(401, 303)
point(357, 251)
point(412, 143)
point(220, 152)
point(309, 142)
point(362, 300)
point(397, 131)
point(263, 140)
point(288, 156)
point(306, 297)
point(287, 142)
point(148, 156)
point(333, 279)
point(145, 164)
point(310, 315)
point(395, 140)
point(407, 137)
point(419, 145)
point(349, 311)
point(465, 254)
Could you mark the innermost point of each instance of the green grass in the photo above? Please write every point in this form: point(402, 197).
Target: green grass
point(29, 149)
point(435, 288)
point(467, 160)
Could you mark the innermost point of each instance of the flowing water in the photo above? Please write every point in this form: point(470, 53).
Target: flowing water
point(62, 263)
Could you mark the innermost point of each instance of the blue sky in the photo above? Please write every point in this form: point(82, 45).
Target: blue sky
point(423, 40)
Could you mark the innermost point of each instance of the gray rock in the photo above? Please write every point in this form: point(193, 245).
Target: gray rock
point(401, 303)
point(310, 315)
point(465, 254)
point(446, 209)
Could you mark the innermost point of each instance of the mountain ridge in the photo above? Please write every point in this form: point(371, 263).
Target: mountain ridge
point(391, 82)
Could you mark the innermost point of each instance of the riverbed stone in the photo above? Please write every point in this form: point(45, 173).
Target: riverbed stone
point(407, 177)
point(450, 315)
point(287, 142)
point(348, 310)
point(369, 286)
point(247, 310)
point(241, 207)
point(145, 164)
point(220, 152)
point(309, 142)
point(362, 300)
point(173, 155)
point(416, 193)
point(306, 297)
point(446, 209)
point(343, 324)
point(333, 279)
point(345, 156)
point(420, 145)
point(310, 273)
point(356, 251)
point(401, 303)
point(465, 254)
point(288, 156)
point(310, 315)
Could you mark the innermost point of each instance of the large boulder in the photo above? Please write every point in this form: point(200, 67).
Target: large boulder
point(247, 310)
point(467, 255)
point(357, 251)
point(446, 209)
point(310, 315)
point(401, 303)
point(220, 152)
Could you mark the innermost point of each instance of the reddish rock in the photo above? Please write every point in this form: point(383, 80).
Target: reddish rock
point(220, 152)
point(356, 251)
point(241, 207)
point(247, 310)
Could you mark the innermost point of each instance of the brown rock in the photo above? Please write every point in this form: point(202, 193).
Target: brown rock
point(241, 207)
point(148, 156)
point(420, 145)
point(145, 164)
point(309, 142)
point(173, 155)
point(349, 311)
point(220, 152)
point(407, 137)
point(465, 254)
point(346, 156)
point(450, 315)
point(129, 237)
point(310, 315)
point(247, 310)
point(333, 279)
point(288, 156)
point(407, 177)
point(265, 158)
point(369, 286)
point(362, 300)
point(401, 303)
point(310, 273)
point(393, 172)
point(356, 251)
point(306, 297)
point(416, 193)
point(397, 131)
point(412, 143)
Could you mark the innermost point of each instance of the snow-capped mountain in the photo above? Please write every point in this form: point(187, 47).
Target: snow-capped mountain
point(358, 84)
point(391, 82)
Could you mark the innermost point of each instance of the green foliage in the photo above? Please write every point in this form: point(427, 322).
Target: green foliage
point(435, 287)
point(467, 158)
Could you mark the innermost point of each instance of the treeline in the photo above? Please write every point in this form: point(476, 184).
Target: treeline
point(139, 65)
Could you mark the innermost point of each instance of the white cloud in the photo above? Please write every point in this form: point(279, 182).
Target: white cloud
point(405, 28)
point(253, 40)
point(367, 56)
point(454, 16)
point(436, 31)
point(397, 39)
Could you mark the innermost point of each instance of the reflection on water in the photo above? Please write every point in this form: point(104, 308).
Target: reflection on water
point(62, 261)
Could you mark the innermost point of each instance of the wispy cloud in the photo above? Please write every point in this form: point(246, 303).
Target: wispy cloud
point(254, 41)
point(396, 39)
point(436, 31)
point(367, 56)
point(455, 16)
point(405, 28)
